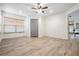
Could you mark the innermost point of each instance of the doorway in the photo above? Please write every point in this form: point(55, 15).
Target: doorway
point(73, 25)
point(34, 27)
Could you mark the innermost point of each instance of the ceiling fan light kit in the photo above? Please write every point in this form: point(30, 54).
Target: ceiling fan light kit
point(39, 8)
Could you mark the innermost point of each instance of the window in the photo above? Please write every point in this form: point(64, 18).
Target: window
point(9, 28)
point(19, 26)
point(19, 29)
point(13, 25)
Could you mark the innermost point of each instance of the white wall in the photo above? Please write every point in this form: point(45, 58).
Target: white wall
point(27, 26)
point(41, 26)
point(56, 26)
point(13, 35)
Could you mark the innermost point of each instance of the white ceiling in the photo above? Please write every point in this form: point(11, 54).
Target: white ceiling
point(25, 8)
point(74, 15)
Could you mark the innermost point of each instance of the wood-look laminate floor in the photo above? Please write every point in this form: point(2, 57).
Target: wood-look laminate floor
point(38, 47)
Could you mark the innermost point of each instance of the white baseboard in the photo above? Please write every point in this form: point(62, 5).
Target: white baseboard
point(54, 37)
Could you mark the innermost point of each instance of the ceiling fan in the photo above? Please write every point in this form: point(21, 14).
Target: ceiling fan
point(38, 7)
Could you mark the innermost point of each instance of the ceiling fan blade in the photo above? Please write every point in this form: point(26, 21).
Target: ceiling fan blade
point(44, 7)
point(33, 8)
